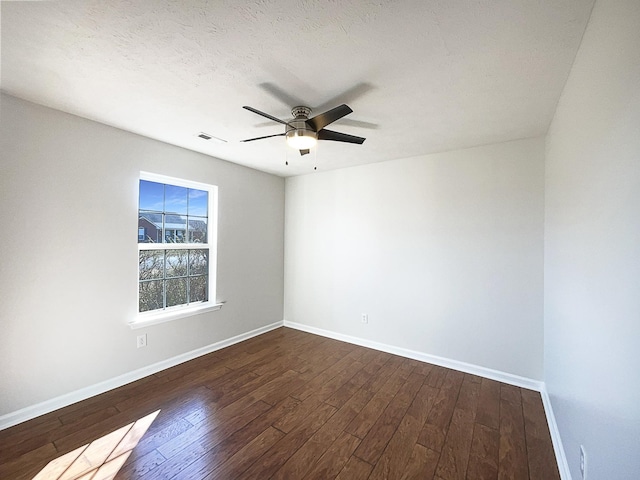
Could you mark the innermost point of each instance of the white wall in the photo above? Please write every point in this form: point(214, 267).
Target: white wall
point(444, 252)
point(592, 249)
point(68, 278)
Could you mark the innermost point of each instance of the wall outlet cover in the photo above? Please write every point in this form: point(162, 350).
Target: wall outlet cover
point(141, 341)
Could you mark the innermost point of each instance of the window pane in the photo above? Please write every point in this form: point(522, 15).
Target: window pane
point(198, 289)
point(150, 264)
point(170, 214)
point(176, 263)
point(176, 291)
point(150, 225)
point(197, 229)
point(175, 229)
point(151, 196)
point(198, 202)
point(198, 262)
point(150, 295)
point(175, 199)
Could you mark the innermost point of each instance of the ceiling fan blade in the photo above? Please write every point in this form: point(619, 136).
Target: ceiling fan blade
point(352, 94)
point(286, 98)
point(260, 138)
point(355, 123)
point(339, 137)
point(270, 117)
point(320, 121)
point(304, 152)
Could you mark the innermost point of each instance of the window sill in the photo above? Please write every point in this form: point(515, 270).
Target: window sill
point(147, 319)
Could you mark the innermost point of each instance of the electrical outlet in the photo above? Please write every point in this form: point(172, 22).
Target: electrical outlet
point(583, 463)
point(141, 341)
point(364, 318)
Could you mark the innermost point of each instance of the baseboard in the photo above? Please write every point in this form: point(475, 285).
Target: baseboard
point(33, 411)
point(561, 458)
point(425, 357)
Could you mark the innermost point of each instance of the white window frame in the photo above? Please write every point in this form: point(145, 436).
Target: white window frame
point(152, 317)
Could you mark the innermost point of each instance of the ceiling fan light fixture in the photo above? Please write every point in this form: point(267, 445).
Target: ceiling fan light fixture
point(301, 139)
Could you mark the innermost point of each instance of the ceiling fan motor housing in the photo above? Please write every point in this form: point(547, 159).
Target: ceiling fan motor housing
point(301, 112)
point(298, 132)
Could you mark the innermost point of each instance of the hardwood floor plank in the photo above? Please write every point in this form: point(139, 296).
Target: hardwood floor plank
point(138, 465)
point(96, 454)
point(381, 432)
point(361, 425)
point(346, 391)
point(540, 454)
point(392, 463)
point(489, 404)
point(483, 458)
point(454, 457)
point(228, 383)
point(435, 429)
point(455, 451)
point(288, 422)
point(86, 435)
point(422, 463)
point(391, 365)
point(243, 458)
point(148, 399)
point(209, 433)
point(355, 469)
point(469, 395)
point(56, 468)
point(269, 418)
point(335, 458)
point(237, 441)
point(513, 463)
point(308, 454)
point(330, 387)
point(510, 393)
point(198, 445)
point(247, 388)
point(37, 426)
point(279, 453)
point(108, 470)
point(436, 376)
point(343, 367)
point(27, 465)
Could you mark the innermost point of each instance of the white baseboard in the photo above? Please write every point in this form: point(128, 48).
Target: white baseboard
point(497, 375)
point(561, 458)
point(33, 411)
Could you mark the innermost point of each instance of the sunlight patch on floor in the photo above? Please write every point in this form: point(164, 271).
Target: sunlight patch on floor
point(100, 459)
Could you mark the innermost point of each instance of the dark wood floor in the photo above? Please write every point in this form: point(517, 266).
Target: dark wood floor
point(291, 405)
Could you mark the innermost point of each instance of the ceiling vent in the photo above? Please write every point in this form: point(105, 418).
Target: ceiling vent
point(207, 136)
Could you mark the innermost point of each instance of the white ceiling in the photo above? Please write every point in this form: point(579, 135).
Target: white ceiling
point(421, 76)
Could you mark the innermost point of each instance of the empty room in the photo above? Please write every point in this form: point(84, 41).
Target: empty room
point(375, 239)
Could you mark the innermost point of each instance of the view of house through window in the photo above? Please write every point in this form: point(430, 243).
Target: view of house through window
point(174, 229)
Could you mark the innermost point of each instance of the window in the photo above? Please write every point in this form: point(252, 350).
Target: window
point(176, 245)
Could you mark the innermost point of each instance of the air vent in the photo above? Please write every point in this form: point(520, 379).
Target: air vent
point(207, 136)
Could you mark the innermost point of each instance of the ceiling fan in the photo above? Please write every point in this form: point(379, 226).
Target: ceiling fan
point(303, 132)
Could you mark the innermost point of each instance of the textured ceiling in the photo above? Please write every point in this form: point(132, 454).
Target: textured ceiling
point(421, 76)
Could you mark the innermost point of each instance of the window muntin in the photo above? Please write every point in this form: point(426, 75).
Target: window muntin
point(176, 254)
